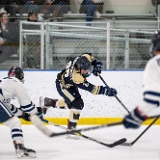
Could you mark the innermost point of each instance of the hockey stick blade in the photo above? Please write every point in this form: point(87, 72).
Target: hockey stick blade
point(119, 142)
point(134, 141)
point(114, 144)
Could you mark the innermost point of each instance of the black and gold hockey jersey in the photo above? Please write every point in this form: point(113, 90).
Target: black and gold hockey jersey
point(71, 76)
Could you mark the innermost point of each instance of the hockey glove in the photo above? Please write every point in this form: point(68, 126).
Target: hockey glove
point(39, 113)
point(109, 91)
point(25, 116)
point(134, 119)
point(97, 68)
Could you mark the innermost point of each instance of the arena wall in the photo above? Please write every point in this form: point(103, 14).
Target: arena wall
point(98, 109)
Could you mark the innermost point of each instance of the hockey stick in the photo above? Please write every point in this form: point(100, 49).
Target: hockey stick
point(119, 142)
point(90, 128)
point(155, 116)
point(134, 141)
point(87, 129)
point(115, 95)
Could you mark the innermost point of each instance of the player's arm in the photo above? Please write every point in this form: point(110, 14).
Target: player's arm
point(26, 105)
point(95, 90)
point(15, 110)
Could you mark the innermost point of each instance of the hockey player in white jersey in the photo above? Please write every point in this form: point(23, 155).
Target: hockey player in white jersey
point(151, 87)
point(11, 87)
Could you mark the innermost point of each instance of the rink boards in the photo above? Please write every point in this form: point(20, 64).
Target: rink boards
point(98, 109)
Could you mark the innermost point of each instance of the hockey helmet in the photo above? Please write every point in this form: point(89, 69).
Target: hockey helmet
point(155, 43)
point(16, 72)
point(83, 63)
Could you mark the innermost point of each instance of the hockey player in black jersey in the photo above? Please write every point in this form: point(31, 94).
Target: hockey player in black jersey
point(68, 81)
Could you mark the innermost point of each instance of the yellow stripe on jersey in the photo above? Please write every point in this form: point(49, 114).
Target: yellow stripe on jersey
point(95, 90)
point(65, 91)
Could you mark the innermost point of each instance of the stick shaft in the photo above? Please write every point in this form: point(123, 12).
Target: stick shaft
point(86, 129)
point(94, 127)
point(133, 142)
point(114, 95)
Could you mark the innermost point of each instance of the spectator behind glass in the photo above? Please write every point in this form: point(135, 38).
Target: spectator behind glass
point(9, 37)
point(59, 7)
point(10, 7)
point(32, 42)
point(30, 6)
point(155, 3)
point(32, 16)
point(90, 7)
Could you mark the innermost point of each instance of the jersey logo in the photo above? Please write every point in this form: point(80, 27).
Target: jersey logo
point(86, 84)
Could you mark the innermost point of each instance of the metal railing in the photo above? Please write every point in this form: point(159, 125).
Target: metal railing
point(72, 35)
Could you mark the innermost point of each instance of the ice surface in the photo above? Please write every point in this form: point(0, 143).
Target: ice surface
point(60, 148)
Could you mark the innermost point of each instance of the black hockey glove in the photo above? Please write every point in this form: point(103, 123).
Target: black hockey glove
point(109, 91)
point(25, 116)
point(134, 119)
point(97, 68)
point(39, 113)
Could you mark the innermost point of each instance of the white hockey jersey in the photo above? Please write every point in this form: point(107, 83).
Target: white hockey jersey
point(151, 78)
point(151, 86)
point(11, 87)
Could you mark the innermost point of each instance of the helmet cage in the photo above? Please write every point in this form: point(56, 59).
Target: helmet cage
point(16, 72)
point(83, 63)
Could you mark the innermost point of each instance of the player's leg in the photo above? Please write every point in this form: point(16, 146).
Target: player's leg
point(11, 121)
point(46, 102)
point(75, 109)
point(74, 102)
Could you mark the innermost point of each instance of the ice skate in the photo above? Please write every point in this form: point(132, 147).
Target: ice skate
point(72, 136)
point(46, 103)
point(21, 151)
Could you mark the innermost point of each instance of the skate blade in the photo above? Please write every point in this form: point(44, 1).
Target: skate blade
point(74, 137)
point(27, 155)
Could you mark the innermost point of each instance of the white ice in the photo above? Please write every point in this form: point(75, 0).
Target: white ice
point(60, 148)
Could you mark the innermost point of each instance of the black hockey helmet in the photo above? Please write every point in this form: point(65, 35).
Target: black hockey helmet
point(83, 63)
point(16, 72)
point(155, 43)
